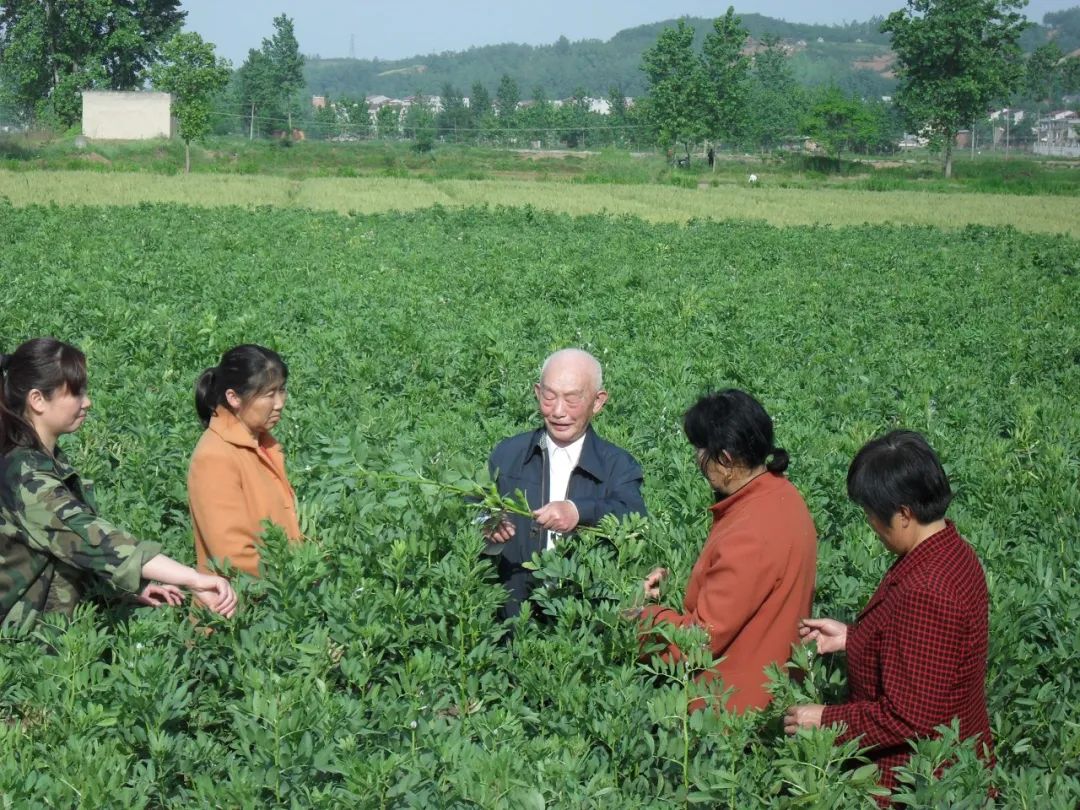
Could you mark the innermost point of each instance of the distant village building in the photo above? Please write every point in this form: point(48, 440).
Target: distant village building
point(1014, 116)
point(318, 102)
point(1058, 135)
point(913, 141)
point(599, 105)
point(126, 115)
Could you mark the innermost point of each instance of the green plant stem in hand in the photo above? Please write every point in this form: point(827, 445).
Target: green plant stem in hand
point(493, 504)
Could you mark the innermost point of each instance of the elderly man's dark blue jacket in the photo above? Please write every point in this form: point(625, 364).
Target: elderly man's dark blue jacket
point(606, 481)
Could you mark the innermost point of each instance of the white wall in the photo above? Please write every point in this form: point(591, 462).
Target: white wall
point(116, 115)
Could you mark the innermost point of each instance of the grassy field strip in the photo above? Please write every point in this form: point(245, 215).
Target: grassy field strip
point(777, 206)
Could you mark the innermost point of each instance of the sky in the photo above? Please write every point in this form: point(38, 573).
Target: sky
point(395, 29)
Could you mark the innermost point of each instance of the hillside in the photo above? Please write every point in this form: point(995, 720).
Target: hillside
point(854, 56)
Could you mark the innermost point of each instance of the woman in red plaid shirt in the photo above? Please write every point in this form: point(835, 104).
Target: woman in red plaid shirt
point(916, 654)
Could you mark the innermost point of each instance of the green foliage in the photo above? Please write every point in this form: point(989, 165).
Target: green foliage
point(955, 58)
point(419, 124)
point(676, 104)
point(51, 51)
point(842, 123)
point(725, 69)
point(194, 75)
point(254, 89)
point(775, 98)
point(366, 668)
point(285, 66)
point(507, 97)
point(1065, 25)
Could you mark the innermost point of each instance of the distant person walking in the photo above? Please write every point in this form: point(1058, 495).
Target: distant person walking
point(53, 543)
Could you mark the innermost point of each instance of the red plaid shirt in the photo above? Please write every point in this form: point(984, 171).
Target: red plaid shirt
point(916, 654)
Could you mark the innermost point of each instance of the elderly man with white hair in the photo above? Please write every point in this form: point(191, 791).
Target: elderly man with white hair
point(569, 475)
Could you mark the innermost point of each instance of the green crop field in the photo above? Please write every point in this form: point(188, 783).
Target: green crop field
point(365, 668)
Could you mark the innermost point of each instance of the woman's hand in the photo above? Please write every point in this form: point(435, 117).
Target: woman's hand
point(830, 635)
point(215, 593)
point(652, 582)
point(156, 595)
point(806, 716)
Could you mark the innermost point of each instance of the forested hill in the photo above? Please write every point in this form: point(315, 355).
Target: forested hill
point(855, 56)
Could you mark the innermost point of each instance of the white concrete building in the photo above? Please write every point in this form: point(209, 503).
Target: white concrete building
point(126, 115)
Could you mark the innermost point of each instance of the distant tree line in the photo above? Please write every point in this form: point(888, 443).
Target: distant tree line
point(744, 83)
point(955, 60)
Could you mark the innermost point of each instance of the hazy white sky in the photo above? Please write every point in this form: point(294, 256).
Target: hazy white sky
point(392, 29)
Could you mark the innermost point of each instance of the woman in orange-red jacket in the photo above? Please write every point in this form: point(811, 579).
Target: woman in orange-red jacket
point(237, 478)
point(754, 580)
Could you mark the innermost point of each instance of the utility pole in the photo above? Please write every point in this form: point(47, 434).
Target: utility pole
point(1008, 116)
point(352, 46)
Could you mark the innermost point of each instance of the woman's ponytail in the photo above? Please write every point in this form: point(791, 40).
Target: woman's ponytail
point(246, 370)
point(778, 460)
point(207, 397)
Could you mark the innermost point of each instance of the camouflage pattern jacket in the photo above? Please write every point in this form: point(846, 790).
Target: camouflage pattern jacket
point(52, 542)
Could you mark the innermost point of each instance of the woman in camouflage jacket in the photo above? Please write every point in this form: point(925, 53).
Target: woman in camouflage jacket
point(52, 541)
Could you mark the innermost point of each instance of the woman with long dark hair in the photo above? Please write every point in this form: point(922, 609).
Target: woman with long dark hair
point(52, 541)
point(754, 580)
point(237, 478)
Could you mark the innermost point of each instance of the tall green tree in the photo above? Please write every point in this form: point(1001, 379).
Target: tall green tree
point(191, 71)
point(775, 97)
point(1043, 73)
point(1070, 75)
point(507, 97)
point(286, 65)
point(676, 104)
point(617, 115)
point(419, 123)
point(254, 87)
point(454, 119)
point(388, 121)
point(726, 73)
point(479, 102)
point(841, 122)
point(574, 119)
point(539, 117)
point(954, 58)
point(52, 50)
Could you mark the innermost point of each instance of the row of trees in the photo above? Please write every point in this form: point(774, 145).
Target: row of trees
point(723, 96)
point(956, 59)
point(481, 117)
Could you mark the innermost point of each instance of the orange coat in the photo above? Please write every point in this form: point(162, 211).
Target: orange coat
point(752, 584)
point(234, 484)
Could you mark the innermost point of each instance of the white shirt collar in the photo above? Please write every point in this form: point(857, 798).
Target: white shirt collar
point(571, 451)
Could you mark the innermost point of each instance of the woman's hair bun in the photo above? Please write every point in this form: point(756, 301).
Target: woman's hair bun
point(778, 460)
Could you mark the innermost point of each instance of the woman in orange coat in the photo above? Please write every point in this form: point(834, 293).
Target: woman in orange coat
point(754, 580)
point(237, 476)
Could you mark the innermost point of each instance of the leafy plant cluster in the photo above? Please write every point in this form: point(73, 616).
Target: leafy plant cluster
point(366, 668)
